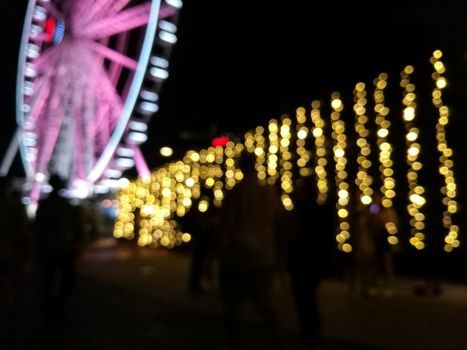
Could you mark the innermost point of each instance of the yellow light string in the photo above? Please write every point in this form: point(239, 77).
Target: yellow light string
point(273, 151)
point(449, 189)
point(260, 154)
point(363, 180)
point(217, 174)
point(385, 152)
point(416, 198)
point(230, 156)
point(339, 148)
point(286, 163)
point(319, 152)
point(124, 222)
point(303, 155)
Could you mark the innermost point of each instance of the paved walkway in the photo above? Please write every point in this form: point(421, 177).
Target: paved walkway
point(127, 299)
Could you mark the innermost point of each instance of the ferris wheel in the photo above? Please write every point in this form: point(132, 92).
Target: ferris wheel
point(89, 77)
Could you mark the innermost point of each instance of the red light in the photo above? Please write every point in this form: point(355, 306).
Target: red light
point(220, 141)
point(49, 27)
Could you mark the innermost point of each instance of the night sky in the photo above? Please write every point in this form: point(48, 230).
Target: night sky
point(237, 64)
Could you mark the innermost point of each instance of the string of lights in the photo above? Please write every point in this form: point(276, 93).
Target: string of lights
point(147, 206)
point(363, 179)
point(416, 198)
point(342, 186)
point(286, 163)
point(449, 189)
point(385, 153)
point(273, 150)
point(303, 155)
point(320, 152)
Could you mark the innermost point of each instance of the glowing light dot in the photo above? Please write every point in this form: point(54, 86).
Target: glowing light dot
point(166, 151)
point(186, 237)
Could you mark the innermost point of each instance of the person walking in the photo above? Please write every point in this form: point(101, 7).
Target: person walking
point(310, 260)
point(248, 251)
point(58, 225)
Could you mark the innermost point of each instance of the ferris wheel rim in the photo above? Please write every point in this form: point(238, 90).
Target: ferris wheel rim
point(135, 85)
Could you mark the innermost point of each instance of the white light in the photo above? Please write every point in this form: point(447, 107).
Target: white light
point(138, 126)
point(101, 189)
point(26, 108)
point(159, 62)
point(168, 37)
point(35, 31)
point(166, 151)
point(159, 73)
point(175, 3)
point(29, 142)
point(125, 163)
point(125, 152)
point(39, 177)
point(149, 96)
point(80, 189)
point(114, 173)
point(123, 182)
point(148, 107)
point(28, 88)
point(109, 183)
point(40, 13)
point(32, 51)
point(137, 137)
point(168, 26)
point(46, 188)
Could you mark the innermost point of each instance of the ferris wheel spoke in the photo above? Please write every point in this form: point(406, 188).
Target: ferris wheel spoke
point(88, 11)
point(109, 103)
point(46, 59)
point(54, 11)
point(78, 135)
point(124, 21)
point(113, 55)
point(39, 99)
point(116, 69)
point(49, 131)
point(167, 11)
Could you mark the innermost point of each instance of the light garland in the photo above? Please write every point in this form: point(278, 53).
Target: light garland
point(385, 153)
point(342, 186)
point(319, 152)
point(303, 155)
point(147, 207)
point(449, 189)
point(363, 179)
point(273, 150)
point(286, 163)
point(416, 198)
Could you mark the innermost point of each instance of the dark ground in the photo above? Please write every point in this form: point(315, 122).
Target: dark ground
point(137, 299)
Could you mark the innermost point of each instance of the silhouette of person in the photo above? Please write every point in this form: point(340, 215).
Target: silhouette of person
point(248, 251)
point(379, 217)
point(14, 254)
point(202, 249)
point(362, 269)
point(58, 226)
point(310, 259)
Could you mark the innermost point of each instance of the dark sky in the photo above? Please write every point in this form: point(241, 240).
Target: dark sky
point(237, 66)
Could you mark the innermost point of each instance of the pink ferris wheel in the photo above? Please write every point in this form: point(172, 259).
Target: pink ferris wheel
point(89, 77)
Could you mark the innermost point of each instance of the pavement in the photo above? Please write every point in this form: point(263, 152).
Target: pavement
point(130, 298)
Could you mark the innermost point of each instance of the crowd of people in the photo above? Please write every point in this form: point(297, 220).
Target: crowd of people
point(254, 243)
point(44, 248)
point(250, 243)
